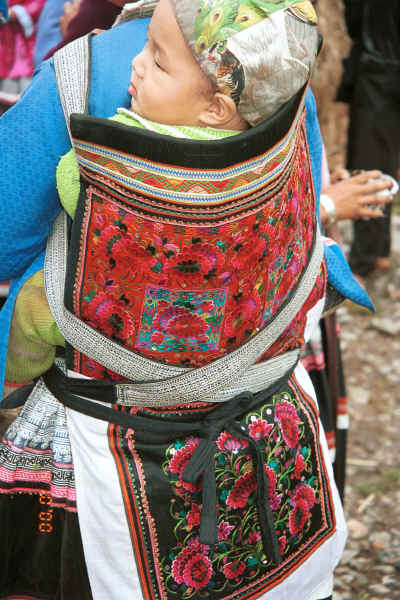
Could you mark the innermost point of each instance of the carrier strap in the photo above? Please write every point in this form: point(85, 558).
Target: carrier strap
point(160, 384)
point(72, 67)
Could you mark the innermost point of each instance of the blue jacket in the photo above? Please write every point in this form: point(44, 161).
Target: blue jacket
point(33, 137)
point(3, 11)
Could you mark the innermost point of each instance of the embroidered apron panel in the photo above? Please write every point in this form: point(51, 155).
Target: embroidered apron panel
point(164, 511)
point(185, 283)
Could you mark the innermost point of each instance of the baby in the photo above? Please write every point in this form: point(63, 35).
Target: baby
point(209, 70)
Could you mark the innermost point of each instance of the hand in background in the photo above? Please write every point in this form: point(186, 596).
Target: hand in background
point(356, 196)
point(71, 9)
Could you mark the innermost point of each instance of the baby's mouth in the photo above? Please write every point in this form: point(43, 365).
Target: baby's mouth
point(132, 90)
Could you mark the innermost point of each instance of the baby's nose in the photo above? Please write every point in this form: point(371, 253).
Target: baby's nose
point(137, 66)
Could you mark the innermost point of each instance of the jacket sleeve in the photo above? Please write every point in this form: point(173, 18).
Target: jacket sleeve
point(33, 137)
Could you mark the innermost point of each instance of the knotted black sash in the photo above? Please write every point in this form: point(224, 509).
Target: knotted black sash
point(152, 430)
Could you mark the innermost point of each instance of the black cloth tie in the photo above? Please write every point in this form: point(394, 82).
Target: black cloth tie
point(149, 431)
point(202, 462)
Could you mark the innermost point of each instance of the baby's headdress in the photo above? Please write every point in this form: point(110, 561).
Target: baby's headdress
point(257, 51)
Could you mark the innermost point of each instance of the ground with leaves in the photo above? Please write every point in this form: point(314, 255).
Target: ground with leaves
point(370, 568)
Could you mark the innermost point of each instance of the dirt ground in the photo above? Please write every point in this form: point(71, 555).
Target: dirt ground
point(370, 568)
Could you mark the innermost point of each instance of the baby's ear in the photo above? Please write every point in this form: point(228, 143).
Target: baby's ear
point(221, 113)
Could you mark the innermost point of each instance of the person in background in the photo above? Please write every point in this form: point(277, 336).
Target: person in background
point(17, 43)
point(3, 11)
point(344, 197)
point(48, 31)
point(83, 16)
point(371, 85)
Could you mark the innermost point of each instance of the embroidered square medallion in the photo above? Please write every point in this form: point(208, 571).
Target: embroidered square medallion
point(175, 320)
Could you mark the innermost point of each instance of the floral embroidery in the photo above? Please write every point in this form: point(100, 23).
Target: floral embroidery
point(281, 428)
point(184, 292)
point(180, 321)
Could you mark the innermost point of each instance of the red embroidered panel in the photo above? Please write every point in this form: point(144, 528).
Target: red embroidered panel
point(186, 293)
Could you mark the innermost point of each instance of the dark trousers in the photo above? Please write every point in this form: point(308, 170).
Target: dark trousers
point(374, 143)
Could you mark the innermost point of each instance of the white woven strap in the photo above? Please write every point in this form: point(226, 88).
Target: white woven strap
point(71, 65)
point(172, 384)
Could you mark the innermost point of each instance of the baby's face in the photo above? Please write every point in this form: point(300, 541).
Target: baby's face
point(166, 81)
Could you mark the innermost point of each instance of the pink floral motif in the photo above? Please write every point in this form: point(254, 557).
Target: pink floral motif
point(304, 492)
point(194, 266)
point(180, 460)
point(110, 317)
point(194, 516)
point(242, 316)
point(197, 572)
point(259, 429)
point(250, 250)
point(108, 236)
point(298, 516)
point(288, 419)
point(132, 258)
point(233, 570)
point(224, 530)
point(247, 484)
point(227, 442)
point(192, 566)
point(179, 322)
point(282, 543)
point(299, 465)
point(244, 486)
point(254, 537)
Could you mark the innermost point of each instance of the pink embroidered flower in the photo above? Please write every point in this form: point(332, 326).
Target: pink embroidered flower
point(243, 316)
point(192, 566)
point(179, 461)
point(259, 429)
point(110, 317)
point(194, 266)
point(179, 322)
point(271, 476)
point(227, 442)
point(130, 257)
point(254, 537)
point(244, 486)
point(233, 570)
point(224, 530)
point(299, 465)
point(207, 306)
point(250, 250)
point(197, 572)
point(108, 236)
point(187, 325)
point(194, 516)
point(298, 516)
point(288, 419)
point(282, 543)
point(157, 337)
point(304, 492)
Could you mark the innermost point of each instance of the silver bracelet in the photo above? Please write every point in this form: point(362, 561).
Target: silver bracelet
point(330, 209)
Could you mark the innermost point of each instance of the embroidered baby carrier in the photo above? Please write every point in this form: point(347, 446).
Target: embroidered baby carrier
point(188, 272)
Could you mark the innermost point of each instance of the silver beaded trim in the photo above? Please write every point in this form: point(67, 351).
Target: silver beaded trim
point(71, 65)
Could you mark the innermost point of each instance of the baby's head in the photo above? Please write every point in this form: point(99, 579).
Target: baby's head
point(223, 63)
